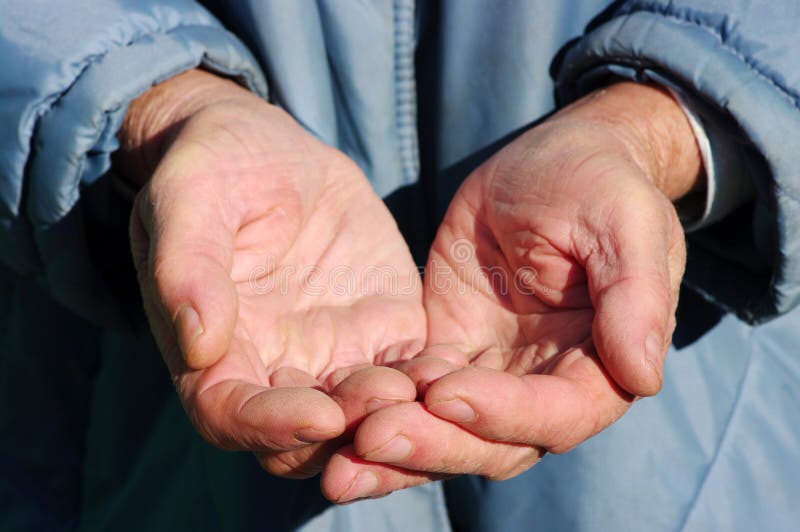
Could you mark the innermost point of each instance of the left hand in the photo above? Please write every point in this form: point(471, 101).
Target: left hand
point(550, 293)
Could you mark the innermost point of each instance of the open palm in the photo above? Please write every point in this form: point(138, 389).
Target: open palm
point(274, 280)
point(550, 294)
point(551, 280)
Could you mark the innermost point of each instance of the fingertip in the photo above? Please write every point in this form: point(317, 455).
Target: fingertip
point(634, 367)
point(461, 397)
point(460, 384)
point(203, 350)
point(348, 478)
point(376, 382)
point(340, 479)
point(370, 389)
point(205, 323)
point(628, 339)
point(384, 425)
point(242, 416)
point(298, 464)
point(655, 353)
point(630, 368)
point(329, 419)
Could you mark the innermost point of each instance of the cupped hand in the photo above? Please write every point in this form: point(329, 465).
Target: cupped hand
point(550, 292)
point(274, 279)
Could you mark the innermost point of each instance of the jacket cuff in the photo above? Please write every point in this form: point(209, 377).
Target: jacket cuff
point(76, 136)
point(749, 262)
point(728, 186)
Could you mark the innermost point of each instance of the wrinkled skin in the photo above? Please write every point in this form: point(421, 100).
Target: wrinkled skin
point(550, 293)
point(237, 239)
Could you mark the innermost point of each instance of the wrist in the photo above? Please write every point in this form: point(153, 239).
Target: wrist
point(154, 119)
point(651, 129)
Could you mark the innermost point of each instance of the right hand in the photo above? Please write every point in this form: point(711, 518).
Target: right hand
point(236, 238)
point(550, 294)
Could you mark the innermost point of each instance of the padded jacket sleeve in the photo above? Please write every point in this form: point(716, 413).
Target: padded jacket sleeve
point(738, 57)
point(69, 71)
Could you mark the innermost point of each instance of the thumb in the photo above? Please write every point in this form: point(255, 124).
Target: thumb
point(634, 273)
point(185, 268)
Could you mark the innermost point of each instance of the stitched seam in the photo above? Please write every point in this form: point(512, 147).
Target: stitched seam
point(723, 437)
point(405, 89)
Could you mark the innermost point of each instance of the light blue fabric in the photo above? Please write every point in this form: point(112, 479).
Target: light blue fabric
point(70, 71)
point(418, 96)
point(716, 450)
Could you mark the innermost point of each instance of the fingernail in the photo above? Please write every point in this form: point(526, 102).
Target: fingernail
point(654, 348)
point(454, 410)
point(364, 484)
point(312, 435)
point(376, 404)
point(189, 327)
point(396, 450)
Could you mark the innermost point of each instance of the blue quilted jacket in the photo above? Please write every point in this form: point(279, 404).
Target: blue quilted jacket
point(418, 95)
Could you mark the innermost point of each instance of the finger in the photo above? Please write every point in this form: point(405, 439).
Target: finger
point(556, 411)
point(305, 462)
point(237, 415)
point(348, 477)
point(340, 374)
point(631, 288)
point(371, 389)
point(189, 264)
point(364, 391)
point(425, 369)
point(408, 436)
